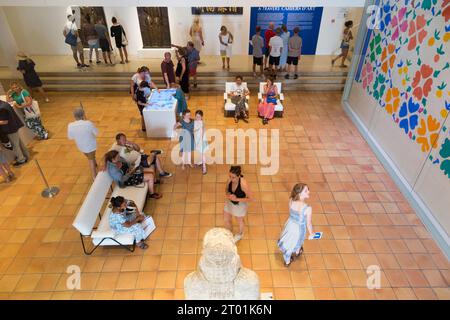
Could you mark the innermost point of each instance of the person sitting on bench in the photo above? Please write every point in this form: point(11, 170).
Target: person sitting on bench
point(131, 152)
point(238, 94)
point(126, 218)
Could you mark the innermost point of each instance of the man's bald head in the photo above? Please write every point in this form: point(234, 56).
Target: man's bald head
point(271, 25)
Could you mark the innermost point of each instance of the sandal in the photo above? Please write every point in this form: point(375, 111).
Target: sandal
point(299, 252)
point(236, 120)
point(143, 245)
point(155, 195)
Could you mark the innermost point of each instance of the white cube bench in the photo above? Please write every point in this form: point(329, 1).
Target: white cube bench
point(279, 109)
point(86, 218)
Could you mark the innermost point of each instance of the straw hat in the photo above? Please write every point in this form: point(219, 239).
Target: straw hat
point(21, 55)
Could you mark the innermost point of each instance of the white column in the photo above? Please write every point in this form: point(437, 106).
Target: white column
point(8, 44)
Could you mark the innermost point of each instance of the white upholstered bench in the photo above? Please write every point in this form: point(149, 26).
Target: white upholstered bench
point(102, 235)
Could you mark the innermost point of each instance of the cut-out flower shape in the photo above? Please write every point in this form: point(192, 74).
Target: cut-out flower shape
point(385, 17)
point(446, 10)
point(409, 116)
point(367, 75)
point(431, 125)
point(445, 153)
point(375, 47)
point(422, 82)
point(426, 4)
point(399, 24)
point(388, 58)
point(392, 100)
point(379, 86)
point(416, 32)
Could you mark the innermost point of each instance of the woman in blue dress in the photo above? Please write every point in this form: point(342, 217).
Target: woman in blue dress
point(284, 53)
point(294, 232)
point(121, 221)
point(187, 142)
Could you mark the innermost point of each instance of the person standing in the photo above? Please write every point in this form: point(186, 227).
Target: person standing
point(22, 100)
point(5, 169)
point(275, 50)
point(118, 33)
point(30, 77)
point(167, 70)
point(267, 36)
point(201, 143)
point(10, 124)
point(226, 41)
point(104, 40)
point(285, 37)
point(91, 37)
point(196, 34)
point(237, 196)
point(84, 133)
point(345, 44)
point(294, 52)
point(142, 74)
point(182, 71)
point(258, 45)
point(73, 39)
point(186, 139)
point(193, 56)
point(294, 231)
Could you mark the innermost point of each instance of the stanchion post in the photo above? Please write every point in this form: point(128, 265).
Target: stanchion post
point(48, 192)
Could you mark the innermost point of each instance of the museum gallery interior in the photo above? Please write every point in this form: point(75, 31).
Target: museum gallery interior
point(257, 152)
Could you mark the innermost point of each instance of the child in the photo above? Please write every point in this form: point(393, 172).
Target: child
point(294, 232)
point(201, 144)
point(186, 137)
point(5, 169)
point(179, 95)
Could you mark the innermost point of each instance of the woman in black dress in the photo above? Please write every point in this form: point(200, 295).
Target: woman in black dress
point(182, 71)
point(119, 35)
point(31, 78)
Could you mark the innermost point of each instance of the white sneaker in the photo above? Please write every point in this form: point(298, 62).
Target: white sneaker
point(238, 237)
point(47, 100)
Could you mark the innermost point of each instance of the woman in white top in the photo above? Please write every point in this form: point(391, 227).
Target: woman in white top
point(196, 34)
point(226, 40)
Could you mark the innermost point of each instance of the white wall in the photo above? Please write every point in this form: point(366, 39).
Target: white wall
point(38, 30)
point(239, 25)
point(331, 27)
point(422, 181)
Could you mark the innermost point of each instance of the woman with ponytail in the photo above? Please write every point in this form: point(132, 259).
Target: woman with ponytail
point(294, 232)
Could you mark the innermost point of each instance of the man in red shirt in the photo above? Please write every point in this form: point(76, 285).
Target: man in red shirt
point(267, 35)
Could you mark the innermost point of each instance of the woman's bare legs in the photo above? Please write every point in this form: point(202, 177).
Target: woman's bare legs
point(126, 54)
point(223, 62)
point(228, 63)
point(241, 225)
point(121, 55)
point(227, 220)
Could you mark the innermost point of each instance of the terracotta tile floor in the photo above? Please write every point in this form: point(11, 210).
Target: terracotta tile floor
point(364, 217)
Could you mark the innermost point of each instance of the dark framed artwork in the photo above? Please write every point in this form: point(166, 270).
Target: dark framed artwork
point(155, 29)
point(94, 13)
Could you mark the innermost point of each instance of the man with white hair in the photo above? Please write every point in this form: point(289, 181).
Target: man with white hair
point(84, 133)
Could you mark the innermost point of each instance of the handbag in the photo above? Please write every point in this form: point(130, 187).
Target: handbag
point(31, 111)
point(124, 39)
point(71, 39)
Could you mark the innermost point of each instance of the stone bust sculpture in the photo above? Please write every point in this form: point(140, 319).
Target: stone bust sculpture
point(220, 274)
